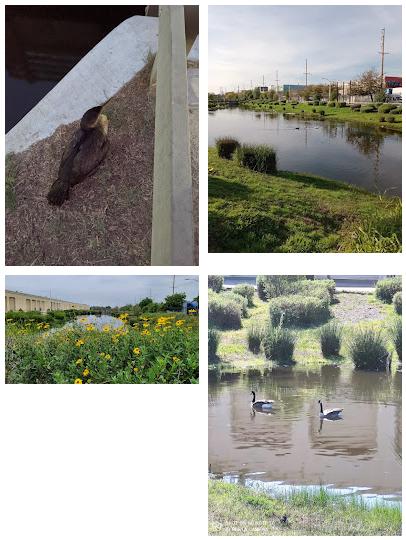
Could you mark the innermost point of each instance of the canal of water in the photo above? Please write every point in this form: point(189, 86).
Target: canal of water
point(366, 156)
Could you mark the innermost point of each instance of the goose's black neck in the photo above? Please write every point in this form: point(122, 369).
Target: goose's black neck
point(253, 396)
point(321, 407)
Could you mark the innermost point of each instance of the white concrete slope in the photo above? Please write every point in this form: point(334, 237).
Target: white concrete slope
point(98, 76)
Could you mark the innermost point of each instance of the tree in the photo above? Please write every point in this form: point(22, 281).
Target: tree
point(256, 92)
point(368, 84)
point(216, 283)
point(145, 302)
point(174, 302)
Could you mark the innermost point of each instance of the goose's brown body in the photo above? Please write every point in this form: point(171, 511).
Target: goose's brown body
point(82, 156)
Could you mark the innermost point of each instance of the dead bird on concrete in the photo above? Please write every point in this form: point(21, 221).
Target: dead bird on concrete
point(83, 155)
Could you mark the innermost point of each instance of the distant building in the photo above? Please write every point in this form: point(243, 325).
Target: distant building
point(293, 87)
point(263, 89)
point(393, 82)
point(16, 301)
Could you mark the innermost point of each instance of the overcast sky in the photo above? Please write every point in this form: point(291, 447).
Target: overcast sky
point(339, 42)
point(104, 290)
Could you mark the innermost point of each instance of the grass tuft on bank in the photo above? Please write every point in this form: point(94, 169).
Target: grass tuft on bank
point(235, 510)
point(251, 212)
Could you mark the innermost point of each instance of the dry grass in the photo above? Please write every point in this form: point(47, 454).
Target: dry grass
point(107, 220)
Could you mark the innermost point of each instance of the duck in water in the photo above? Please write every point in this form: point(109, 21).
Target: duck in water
point(83, 154)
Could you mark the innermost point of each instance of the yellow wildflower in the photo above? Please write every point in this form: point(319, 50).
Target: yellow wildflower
point(136, 351)
point(180, 322)
point(145, 325)
point(175, 358)
point(107, 357)
point(78, 381)
point(79, 342)
point(146, 333)
point(102, 354)
point(79, 361)
point(106, 328)
point(135, 370)
point(90, 327)
point(86, 372)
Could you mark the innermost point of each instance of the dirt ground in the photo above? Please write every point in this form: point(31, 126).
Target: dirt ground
point(356, 307)
point(107, 220)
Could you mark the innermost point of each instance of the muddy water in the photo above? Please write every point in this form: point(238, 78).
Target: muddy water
point(361, 155)
point(291, 446)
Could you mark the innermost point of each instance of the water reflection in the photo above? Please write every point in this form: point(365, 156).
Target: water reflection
point(292, 444)
point(355, 153)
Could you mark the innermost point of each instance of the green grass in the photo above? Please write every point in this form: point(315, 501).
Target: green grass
point(344, 114)
point(163, 349)
point(235, 510)
point(251, 212)
point(233, 350)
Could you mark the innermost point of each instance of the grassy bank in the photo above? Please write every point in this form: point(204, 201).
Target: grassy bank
point(235, 511)
point(292, 212)
point(351, 310)
point(163, 349)
point(344, 114)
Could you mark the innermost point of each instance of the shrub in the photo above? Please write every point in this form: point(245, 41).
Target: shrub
point(367, 350)
point(331, 104)
point(398, 110)
point(314, 110)
point(397, 303)
point(396, 334)
point(381, 119)
point(238, 299)
point(279, 344)
point(216, 283)
point(214, 340)
point(387, 107)
point(260, 158)
point(355, 106)
point(368, 108)
point(390, 119)
point(255, 334)
point(323, 289)
point(224, 313)
point(247, 291)
point(322, 113)
point(330, 339)
point(387, 288)
point(342, 104)
point(271, 286)
point(316, 102)
point(297, 310)
point(226, 146)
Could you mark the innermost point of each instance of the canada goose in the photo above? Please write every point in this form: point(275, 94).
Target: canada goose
point(329, 413)
point(82, 155)
point(261, 403)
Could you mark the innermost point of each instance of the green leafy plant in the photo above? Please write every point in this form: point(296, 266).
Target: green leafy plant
point(330, 339)
point(387, 288)
point(226, 146)
point(255, 334)
point(368, 351)
point(397, 302)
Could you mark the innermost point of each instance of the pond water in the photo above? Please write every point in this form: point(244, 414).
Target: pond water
point(368, 157)
point(98, 321)
point(291, 446)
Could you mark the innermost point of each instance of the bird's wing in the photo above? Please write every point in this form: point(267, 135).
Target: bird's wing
point(68, 156)
point(91, 153)
point(333, 411)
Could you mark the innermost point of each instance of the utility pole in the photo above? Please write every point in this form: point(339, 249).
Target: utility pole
point(173, 285)
point(306, 73)
point(263, 80)
point(382, 53)
point(277, 82)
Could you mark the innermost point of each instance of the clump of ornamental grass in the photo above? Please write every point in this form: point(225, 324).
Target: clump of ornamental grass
point(226, 146)
point(330, 339)
point(257, 157)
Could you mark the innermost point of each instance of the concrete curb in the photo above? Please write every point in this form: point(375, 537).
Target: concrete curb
point(98, 76)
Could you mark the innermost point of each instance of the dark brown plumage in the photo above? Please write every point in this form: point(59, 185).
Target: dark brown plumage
point(82, 156)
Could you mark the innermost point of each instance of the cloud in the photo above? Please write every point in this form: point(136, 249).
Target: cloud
point(339, 42)
point(104, 290)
